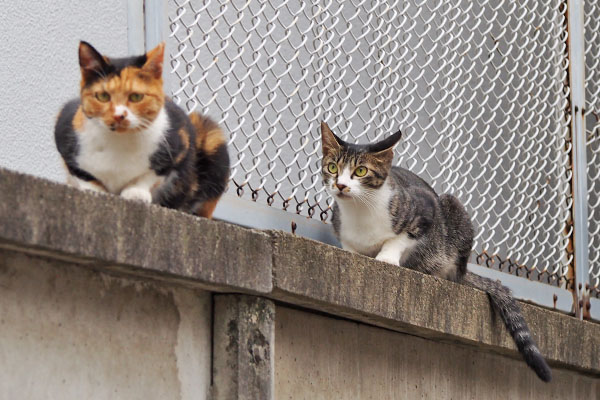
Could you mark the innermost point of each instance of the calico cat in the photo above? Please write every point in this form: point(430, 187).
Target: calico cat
point(124, 136)
point(393, 215)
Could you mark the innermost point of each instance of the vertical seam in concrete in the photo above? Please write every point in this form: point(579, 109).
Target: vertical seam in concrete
point(193, 367)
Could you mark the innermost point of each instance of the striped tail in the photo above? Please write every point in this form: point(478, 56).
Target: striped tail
point(509, 311)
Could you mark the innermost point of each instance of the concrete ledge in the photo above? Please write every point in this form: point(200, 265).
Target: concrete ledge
point(115, 235)
point(46, 218)
point(331, 280)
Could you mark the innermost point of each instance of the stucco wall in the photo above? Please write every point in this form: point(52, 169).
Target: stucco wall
point(40, 72)
point(73, 333)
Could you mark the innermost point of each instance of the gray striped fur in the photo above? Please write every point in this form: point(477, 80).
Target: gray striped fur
point(437, 230)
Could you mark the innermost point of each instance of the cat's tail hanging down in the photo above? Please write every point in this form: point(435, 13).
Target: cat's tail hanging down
point(510, 312)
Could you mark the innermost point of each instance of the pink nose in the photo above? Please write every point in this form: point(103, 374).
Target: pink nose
point(119, 117)
point(340, 186)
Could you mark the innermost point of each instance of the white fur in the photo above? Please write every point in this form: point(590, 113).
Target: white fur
point(81, 184)
point(363, 229)
point(121, 161)
point(137, 193)
point(134, 121)
point(345, 178)
point(393, 249)
point(367, 229)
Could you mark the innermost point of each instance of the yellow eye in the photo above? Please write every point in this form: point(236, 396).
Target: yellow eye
point(103, 97)
point(360, 171)
point(135, 97)
point(332, 167)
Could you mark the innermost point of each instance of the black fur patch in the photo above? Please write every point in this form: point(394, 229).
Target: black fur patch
point(111, 66)
point(66, 140)
point(208, 173)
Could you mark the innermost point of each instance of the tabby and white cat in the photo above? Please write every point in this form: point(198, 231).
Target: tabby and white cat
point(124, 136)
point(393, 215)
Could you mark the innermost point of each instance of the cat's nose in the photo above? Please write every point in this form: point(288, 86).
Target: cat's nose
point(120, 117)
point(340, 186)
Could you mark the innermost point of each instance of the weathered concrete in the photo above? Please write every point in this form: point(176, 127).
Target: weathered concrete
point(73, 333)
point(108, 234)
point(325, 358)
point(328, 279)
point(105, 230)
point(243, 348)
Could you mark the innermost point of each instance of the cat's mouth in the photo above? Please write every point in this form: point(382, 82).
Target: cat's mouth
point(342, 195)
point(120, 128)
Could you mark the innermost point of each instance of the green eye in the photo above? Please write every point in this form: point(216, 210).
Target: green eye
point(103, 97)
point(360, 171)
point(332, 167)
point(135, 97)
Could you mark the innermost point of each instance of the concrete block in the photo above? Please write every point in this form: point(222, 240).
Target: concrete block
point(321, 358)
point(243, 364)
point(328, 279)
point(71, 333)
point(107, 231)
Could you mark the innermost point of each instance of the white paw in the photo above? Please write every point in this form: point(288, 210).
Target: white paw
point(388, 258)
point(137, 194)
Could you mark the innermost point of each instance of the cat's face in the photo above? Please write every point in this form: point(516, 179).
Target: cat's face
point(355, 171)
point(124, 95)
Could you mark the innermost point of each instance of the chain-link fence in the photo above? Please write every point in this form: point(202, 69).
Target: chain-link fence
point(592, 111)
point(479, 89)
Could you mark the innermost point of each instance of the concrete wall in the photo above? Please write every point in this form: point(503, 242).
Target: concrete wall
point(73, 333)
point(325, 358)
point(40, 72)
point(106, 298)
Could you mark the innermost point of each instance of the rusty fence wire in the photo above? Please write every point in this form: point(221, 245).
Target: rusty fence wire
point(478, 87)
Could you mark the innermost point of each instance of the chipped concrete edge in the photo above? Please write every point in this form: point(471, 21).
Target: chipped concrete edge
point(113, 235)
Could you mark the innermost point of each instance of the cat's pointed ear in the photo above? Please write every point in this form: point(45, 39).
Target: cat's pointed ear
point(385, 148)
point(91, 62)
point(329, 140)
point(388, 143)
point(154, 61)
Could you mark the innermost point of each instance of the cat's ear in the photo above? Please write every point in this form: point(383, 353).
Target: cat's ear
point(329, 140)
point(385, 149)
point(154, 61)
point(91, 62)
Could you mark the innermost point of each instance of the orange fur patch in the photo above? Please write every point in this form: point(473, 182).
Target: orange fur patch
point(99, 185)
point(209, 136)
point(78, 120)
point(154, 61)
point(207, 208)
point(131, 80)
point(185, 140)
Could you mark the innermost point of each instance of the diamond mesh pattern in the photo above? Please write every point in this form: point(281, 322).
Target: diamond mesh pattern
point(476, 86)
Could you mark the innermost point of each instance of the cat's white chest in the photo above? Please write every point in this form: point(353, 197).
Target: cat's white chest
point(117, 159)
point(365, 229)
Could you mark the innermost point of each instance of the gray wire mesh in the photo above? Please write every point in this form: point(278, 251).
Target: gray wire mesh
point(592, 110)
point(477, 87)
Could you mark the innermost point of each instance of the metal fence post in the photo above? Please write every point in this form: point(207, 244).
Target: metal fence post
point(135, 26)
point(155, 17)
point(146, 23)
point(576, 44)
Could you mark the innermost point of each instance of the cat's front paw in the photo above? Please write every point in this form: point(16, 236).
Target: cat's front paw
point(137, 194)
point(388, 258)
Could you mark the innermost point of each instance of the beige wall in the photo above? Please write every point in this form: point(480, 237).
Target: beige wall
point(324, 358)
point(71, 333)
